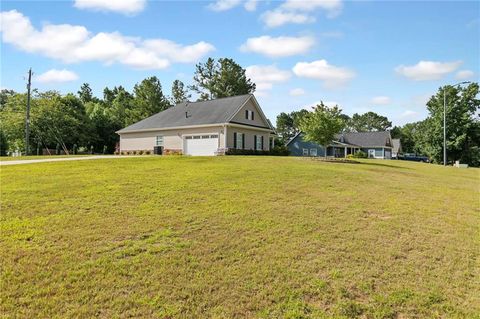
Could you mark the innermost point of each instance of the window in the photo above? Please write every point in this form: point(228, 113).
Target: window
point(305, 152)
point(196, 137)
point(249, 115)
point(313, 152)
point(239, 142)
point(258, 142)
point(213, 136)
point(205, 136)
point(159, 140)
point(188, 137)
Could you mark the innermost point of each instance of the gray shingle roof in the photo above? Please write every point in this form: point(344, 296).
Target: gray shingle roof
point(362, 139)
point(203, 112)
point(366, 139)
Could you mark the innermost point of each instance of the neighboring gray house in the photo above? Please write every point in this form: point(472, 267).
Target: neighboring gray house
point(397, 147)
point(374, 144)
point(202, 128)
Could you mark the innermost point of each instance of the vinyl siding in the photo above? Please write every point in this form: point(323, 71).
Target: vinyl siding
point(296, 147)
point(249, 137)
point(172, 139)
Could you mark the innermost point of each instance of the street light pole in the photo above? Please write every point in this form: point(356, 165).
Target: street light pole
point(445, 121)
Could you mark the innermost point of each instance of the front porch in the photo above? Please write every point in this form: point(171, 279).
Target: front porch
point(341, 150)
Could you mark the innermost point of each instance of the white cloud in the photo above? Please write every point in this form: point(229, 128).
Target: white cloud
point(427, 70)
point(127, 7)
point(72, 44)
point(277, 18)
point(332, 76)
point(464, 75)
point(265, 76)
point(381, 100)
point(223, 5)
point(177, 52)
point(56, 76)
point(279, 46)
point(250, 5)
point(297, 92)
point(300, 11)
point(333, 7)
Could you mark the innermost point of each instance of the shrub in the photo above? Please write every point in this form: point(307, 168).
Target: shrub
point(280, 150)
point(116, 153)
point(276, 151)
point(148, 152)
point(360, 154)
point(140, 152)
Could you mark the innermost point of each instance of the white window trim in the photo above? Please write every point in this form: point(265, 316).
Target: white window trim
point(258, 145)
point(156, 140)
point(240, 145)
point(316, 152)
point(305, 149)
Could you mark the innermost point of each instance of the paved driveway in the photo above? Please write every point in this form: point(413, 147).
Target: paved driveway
point(80, 158)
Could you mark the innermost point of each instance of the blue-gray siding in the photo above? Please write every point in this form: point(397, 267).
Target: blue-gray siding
point(297, 146)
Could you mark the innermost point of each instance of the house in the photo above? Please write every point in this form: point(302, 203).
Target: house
point(396, 147)
point(202, 128)
point(374, 144)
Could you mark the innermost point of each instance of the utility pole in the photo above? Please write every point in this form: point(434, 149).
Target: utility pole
point(27, 118)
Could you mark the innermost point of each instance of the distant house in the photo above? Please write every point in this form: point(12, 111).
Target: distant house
point(202, 128)
point(374, 144)
point(397, 147)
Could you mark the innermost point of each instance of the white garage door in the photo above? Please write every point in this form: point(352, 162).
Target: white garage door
point(200, 145)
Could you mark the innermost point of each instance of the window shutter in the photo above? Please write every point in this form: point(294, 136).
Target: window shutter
point(262, 142)
point(255, 142)
point(235, 140)
point(243, 141)
point(253, 115)
point(246, 114)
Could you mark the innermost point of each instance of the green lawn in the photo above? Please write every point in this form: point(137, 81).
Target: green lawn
point(239, 237)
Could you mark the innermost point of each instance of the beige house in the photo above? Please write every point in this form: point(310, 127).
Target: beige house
point(202, 128)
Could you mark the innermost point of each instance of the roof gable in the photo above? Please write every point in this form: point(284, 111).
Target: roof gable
point(360, 139)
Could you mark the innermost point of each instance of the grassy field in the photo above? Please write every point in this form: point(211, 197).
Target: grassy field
point(239, 237)
point(35, 157)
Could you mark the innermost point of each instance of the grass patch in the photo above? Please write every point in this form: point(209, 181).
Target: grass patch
point(239, 237)
point(36, 157)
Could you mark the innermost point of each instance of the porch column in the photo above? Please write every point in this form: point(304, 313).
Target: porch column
point(345, 152)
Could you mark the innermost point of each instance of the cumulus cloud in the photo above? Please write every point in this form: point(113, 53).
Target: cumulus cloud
point(127, 7)
point(427, 70)
point(250, 5)
point(71, 44)
point(300, 11)
point(464, 75)
point(56, 76)
point(331, 76)
point(265, 76)
point(332, 7)
point(223, 5)
point(277, 18)
point(279, 46)
point(381, 100)
point(297, 92)
point(408, 114)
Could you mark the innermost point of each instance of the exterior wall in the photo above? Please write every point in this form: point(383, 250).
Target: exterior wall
point(257, 119)
point(172, 139)
point(379, 152)
point(296, 147)
point(249, 137)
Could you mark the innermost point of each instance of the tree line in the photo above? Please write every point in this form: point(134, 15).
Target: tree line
point(425, 137)
point(81, 121)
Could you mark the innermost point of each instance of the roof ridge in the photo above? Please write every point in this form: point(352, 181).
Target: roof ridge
point(220, 98)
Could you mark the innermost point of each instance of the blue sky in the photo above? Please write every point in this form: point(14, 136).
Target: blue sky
point(386, 56)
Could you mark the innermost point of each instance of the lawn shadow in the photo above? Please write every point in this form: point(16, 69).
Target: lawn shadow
point(384, 165)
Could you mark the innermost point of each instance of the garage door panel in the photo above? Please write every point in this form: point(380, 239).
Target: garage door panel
point(201, 145)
